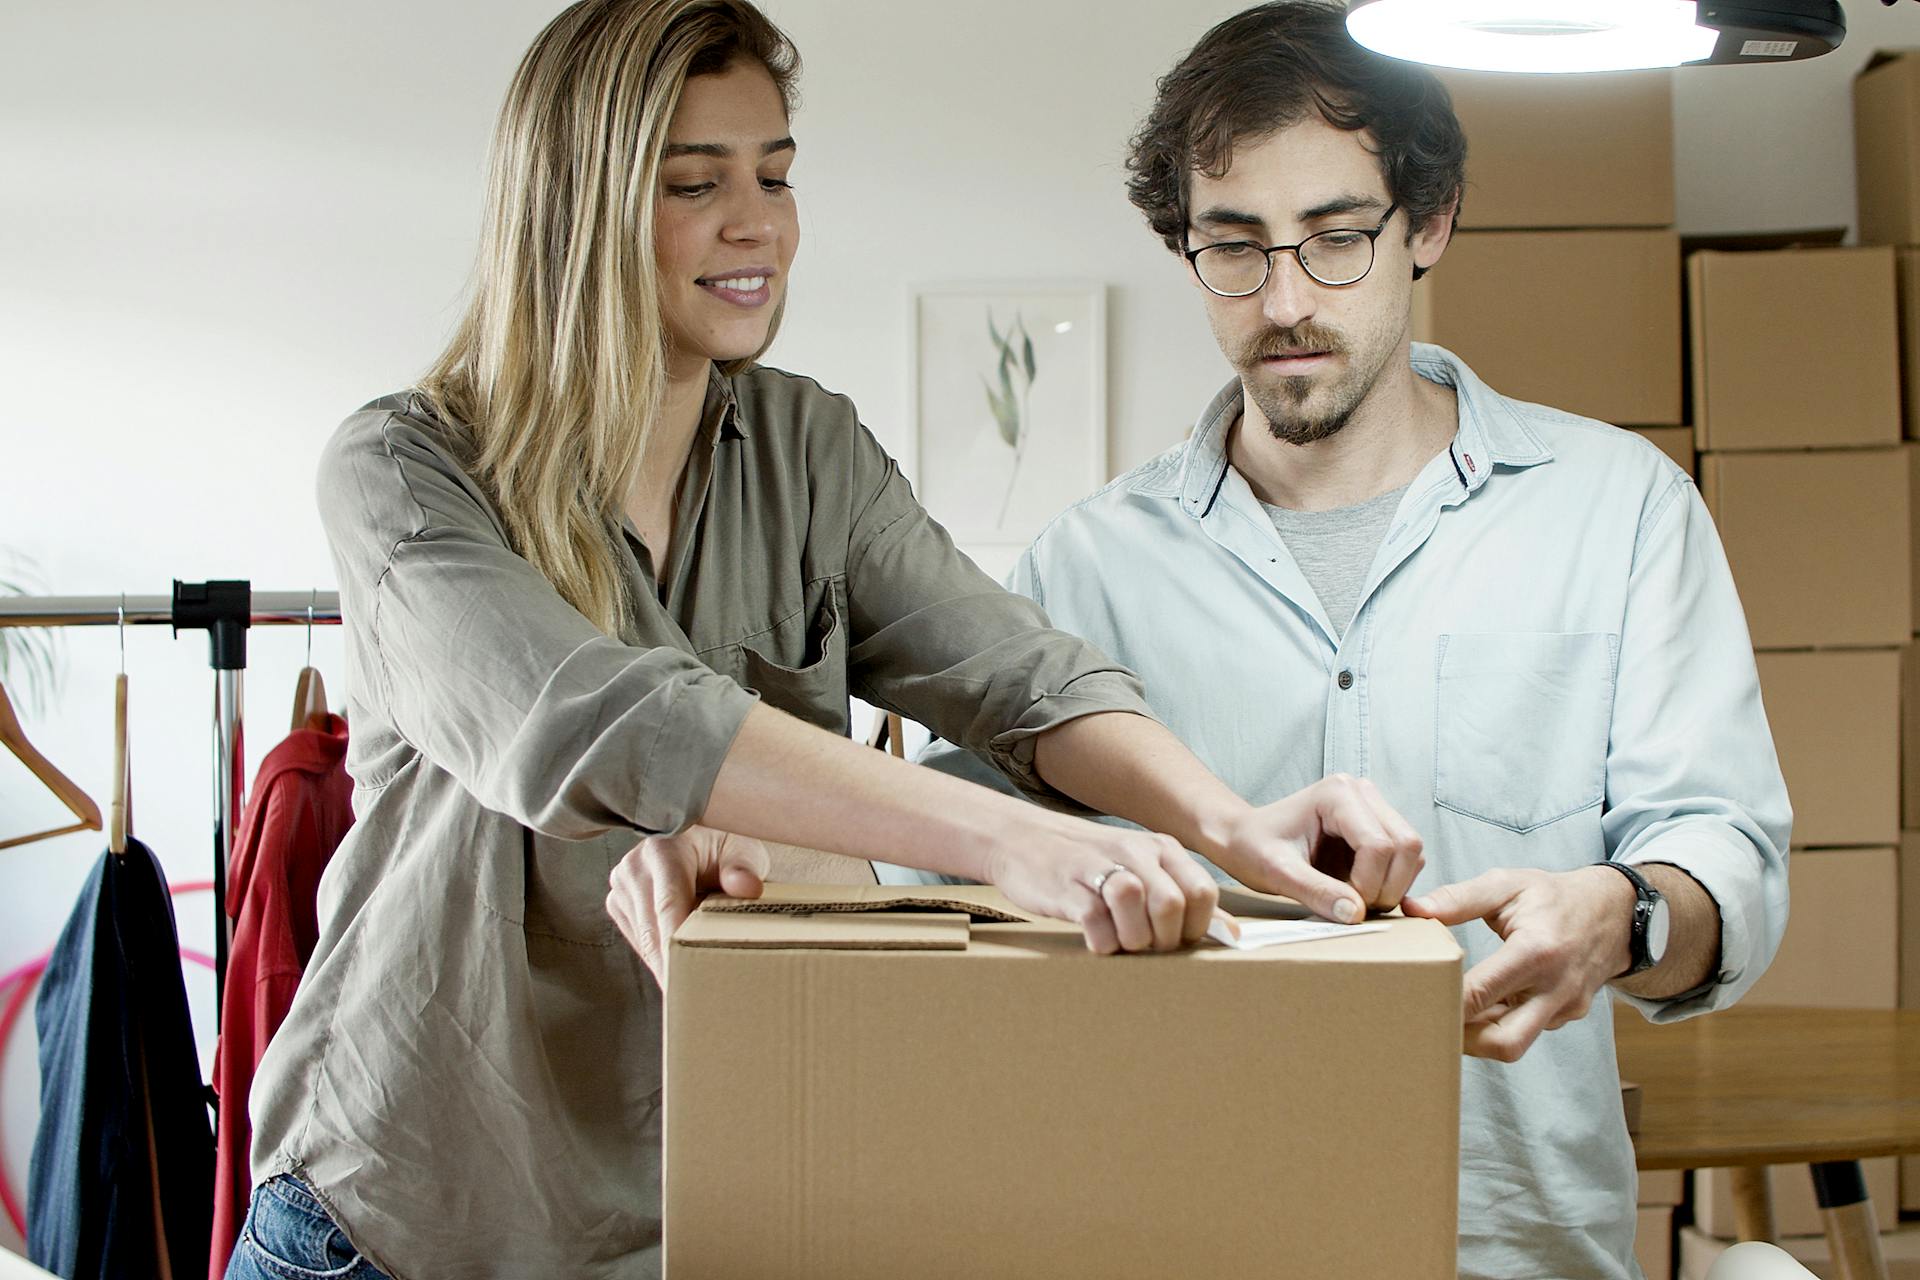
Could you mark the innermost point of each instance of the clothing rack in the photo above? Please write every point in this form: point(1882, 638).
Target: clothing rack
point(225, 610)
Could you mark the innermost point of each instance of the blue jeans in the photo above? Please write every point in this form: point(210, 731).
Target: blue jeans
point(288, 1236)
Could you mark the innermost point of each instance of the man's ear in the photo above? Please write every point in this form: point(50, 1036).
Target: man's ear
point(1433, 236)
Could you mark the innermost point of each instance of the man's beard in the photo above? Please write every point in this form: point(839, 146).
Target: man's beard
point(1283, 401)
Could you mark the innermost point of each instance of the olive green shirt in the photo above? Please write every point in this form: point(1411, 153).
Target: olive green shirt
point(470, 1076)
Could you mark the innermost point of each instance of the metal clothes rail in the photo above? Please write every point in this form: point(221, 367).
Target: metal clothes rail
point(225, 610)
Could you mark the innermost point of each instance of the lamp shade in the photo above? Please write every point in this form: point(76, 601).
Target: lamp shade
point(1535, 35)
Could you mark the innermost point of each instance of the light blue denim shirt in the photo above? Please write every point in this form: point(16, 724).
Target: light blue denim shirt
point(1548, 667)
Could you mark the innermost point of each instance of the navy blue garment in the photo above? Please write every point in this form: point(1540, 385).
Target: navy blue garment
point(123, 1160)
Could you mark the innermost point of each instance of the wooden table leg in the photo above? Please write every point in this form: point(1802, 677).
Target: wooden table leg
point(1853, 1235)
point(1752, 1203)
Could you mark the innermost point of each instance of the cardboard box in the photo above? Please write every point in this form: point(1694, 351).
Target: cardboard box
point(1886, 147)
point(1820, 545)
point(1909, 875)
point(1842, 947)
point(1907, 280)
point(1675, 442)
point(1913, 505)
point(1835, 725)
point(1653, 1243)
point(1566, 151)
point(1910, 982)
point(1795, 1211)
point(1585, 321)
point(1910, 736)
point(1662, 1188)
point(901, 1093)
point(1767, 375)
point(1900, 1249)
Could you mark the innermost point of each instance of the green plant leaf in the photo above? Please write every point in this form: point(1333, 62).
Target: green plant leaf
point(1026, 352)
point(999, 342)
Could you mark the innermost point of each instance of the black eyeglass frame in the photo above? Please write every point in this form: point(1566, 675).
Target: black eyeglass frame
point(1373, 252)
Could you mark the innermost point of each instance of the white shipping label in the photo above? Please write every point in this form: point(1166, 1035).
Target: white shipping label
point(1272, 933)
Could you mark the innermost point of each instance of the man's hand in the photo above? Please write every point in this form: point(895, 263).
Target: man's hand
point(1564, 936)
point(656, 886)
point(1336, 846)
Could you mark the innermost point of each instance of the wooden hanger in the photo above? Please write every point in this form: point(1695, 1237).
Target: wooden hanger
point(120, 809)
point(887, 735)
point(310, 690)
point(310, 700)
point(78, 802)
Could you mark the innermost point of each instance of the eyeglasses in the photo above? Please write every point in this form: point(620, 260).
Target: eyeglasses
point(1238, 268)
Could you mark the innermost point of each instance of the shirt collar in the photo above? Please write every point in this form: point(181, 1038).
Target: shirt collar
point(1491, 432)
point(721, 412)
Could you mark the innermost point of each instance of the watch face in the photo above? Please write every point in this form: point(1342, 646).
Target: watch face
point(1658, 922)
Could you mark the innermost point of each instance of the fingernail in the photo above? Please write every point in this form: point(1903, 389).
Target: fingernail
point(1346, 911)
point(1421, 904)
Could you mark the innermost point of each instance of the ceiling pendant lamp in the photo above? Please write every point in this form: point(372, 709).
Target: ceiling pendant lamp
point(1596, 35)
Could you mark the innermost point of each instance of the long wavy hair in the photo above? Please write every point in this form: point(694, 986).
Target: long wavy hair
point(557, 371)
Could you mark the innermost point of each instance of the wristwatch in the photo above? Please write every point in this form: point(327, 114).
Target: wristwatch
point(1651, 921)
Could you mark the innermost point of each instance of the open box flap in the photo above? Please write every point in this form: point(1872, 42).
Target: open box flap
point(825, 930)
point(848, 917)
point(977, 901)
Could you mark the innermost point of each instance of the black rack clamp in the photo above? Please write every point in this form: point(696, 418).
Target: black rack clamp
point(224, 610)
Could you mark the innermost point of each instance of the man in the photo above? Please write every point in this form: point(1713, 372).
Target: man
point(1516, 623)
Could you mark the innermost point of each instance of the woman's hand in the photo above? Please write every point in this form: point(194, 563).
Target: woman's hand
point(1127, 890)
point(657, 885)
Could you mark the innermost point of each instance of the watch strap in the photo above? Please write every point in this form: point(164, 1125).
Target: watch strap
point(1645, 896)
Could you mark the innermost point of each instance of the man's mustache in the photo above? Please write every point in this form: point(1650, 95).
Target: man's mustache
point(1274, 342)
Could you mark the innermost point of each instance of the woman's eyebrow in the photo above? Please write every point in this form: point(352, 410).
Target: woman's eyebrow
point(721, 151)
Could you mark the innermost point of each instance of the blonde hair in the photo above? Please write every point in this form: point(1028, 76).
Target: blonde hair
point(557, 371)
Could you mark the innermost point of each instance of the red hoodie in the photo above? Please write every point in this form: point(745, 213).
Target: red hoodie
point(301, 806)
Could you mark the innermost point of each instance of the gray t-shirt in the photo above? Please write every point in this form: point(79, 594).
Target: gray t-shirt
point(1334, 549)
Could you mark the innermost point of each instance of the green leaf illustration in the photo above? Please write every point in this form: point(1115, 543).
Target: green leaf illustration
point(1005, 412)
point(1009, 419)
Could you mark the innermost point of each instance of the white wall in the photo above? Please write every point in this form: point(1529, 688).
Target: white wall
point(1771, 149)
point(222, 227)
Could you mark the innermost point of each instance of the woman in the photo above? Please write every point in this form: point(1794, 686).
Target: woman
point(566, 560)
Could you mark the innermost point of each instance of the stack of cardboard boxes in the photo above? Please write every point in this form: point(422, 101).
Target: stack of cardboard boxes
point(1796, 412)
point(1563, 282)
point(1564, 286)
point(1886, 124)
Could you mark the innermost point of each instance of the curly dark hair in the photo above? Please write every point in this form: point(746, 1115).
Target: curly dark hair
point(1261, 71)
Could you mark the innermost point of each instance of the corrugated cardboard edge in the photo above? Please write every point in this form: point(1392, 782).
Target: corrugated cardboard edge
point(826, 931)
point(979, 902)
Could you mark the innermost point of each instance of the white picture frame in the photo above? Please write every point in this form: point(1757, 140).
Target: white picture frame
point(993, 483)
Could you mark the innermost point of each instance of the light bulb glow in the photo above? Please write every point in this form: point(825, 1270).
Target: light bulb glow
point(1534, 35)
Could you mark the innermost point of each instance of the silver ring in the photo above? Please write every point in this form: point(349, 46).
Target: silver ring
point(1100, 881)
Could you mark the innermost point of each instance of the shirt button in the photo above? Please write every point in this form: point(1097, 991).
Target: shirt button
point(1346, 680)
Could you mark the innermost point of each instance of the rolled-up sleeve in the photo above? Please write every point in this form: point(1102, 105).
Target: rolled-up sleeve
point(1692, 776)
point(489, 673)
point(936, 639)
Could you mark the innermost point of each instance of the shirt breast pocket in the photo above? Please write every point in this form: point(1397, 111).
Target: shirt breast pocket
point(800, 665)
point(1520, 724)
